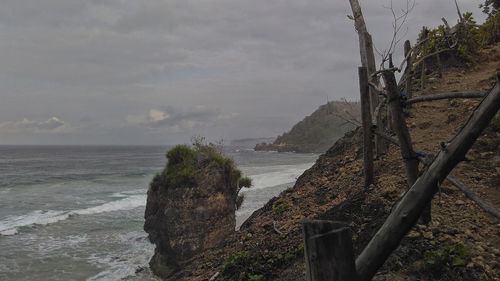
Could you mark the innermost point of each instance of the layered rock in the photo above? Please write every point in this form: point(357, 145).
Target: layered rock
point(190, 206)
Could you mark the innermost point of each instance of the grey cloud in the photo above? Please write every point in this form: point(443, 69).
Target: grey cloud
point(52, 124)
point(272, 62)
point(174, 119)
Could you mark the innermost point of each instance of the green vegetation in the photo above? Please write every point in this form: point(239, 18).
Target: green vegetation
point(245, 182)
point(250, 265)
point(490, 7)
point(444, 258)
point(463, 46)
point(236, 266)
point(279, 207)
point(320, 130)
point(188, 165)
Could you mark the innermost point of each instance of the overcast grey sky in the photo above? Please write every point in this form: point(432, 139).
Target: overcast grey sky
point(161, 71)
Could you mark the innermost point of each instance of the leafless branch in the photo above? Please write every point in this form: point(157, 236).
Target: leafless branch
point(376, 112)
point(398, 23)
point(377, 88)
point(458, 11)
point(353, 121)
point(276, 229)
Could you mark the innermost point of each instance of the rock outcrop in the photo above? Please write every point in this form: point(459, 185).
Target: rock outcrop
point(319, 131)
point(190, 206)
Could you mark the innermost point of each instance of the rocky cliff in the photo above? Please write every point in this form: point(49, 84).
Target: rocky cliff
point(319, 131)
point(190, 206)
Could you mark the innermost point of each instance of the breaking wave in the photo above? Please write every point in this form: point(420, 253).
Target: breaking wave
point(10, 225)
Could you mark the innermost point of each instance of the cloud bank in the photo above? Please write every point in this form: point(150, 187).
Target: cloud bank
point(136, 72)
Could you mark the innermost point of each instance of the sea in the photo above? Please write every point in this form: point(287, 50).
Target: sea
point(77, 212)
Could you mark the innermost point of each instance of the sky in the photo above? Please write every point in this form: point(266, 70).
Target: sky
point(155, 72)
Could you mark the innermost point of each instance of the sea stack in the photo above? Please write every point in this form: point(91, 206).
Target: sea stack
point(190, 206)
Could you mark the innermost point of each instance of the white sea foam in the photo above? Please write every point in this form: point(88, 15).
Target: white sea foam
point(120, 265)
point(127, 203)
point(285, 174)
point(50, 244)
point(10, 225)
point(5, 190)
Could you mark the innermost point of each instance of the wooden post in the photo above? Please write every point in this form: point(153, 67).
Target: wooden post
point(407, 73)
point(422, 74)
point(400, 128)
point(406, 213)
point(366, 119)
point(328, 251)
point(440, 66)
point(368, 60)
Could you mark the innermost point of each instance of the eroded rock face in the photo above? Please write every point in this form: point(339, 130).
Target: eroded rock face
point(188, 214)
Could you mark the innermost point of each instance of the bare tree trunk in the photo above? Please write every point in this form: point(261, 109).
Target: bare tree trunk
point(366, 118)
point(406, 213)
point(368, 61)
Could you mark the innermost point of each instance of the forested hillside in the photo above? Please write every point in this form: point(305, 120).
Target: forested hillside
point(319, 131)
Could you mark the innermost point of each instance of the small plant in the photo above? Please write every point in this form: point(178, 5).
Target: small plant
point(279, 207)
point(257, 277)
point(241, 266)
point(245, 182)
point(235, 259)
point(445, 258)
point(239, 200)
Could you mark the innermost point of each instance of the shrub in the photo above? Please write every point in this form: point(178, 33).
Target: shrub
point(443, 259)
point(181, 168)
point(186, 167)
point(245, 182)
point(464, 44)
point(279, 206)
point(180, 154)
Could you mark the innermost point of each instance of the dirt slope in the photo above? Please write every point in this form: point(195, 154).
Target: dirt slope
point(461, 243)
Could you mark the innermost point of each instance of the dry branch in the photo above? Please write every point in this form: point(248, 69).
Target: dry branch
point(406, 213)
point(452, 95)
point(472, 196)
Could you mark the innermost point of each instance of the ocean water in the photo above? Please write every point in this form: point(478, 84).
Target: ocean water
point(77, 212)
